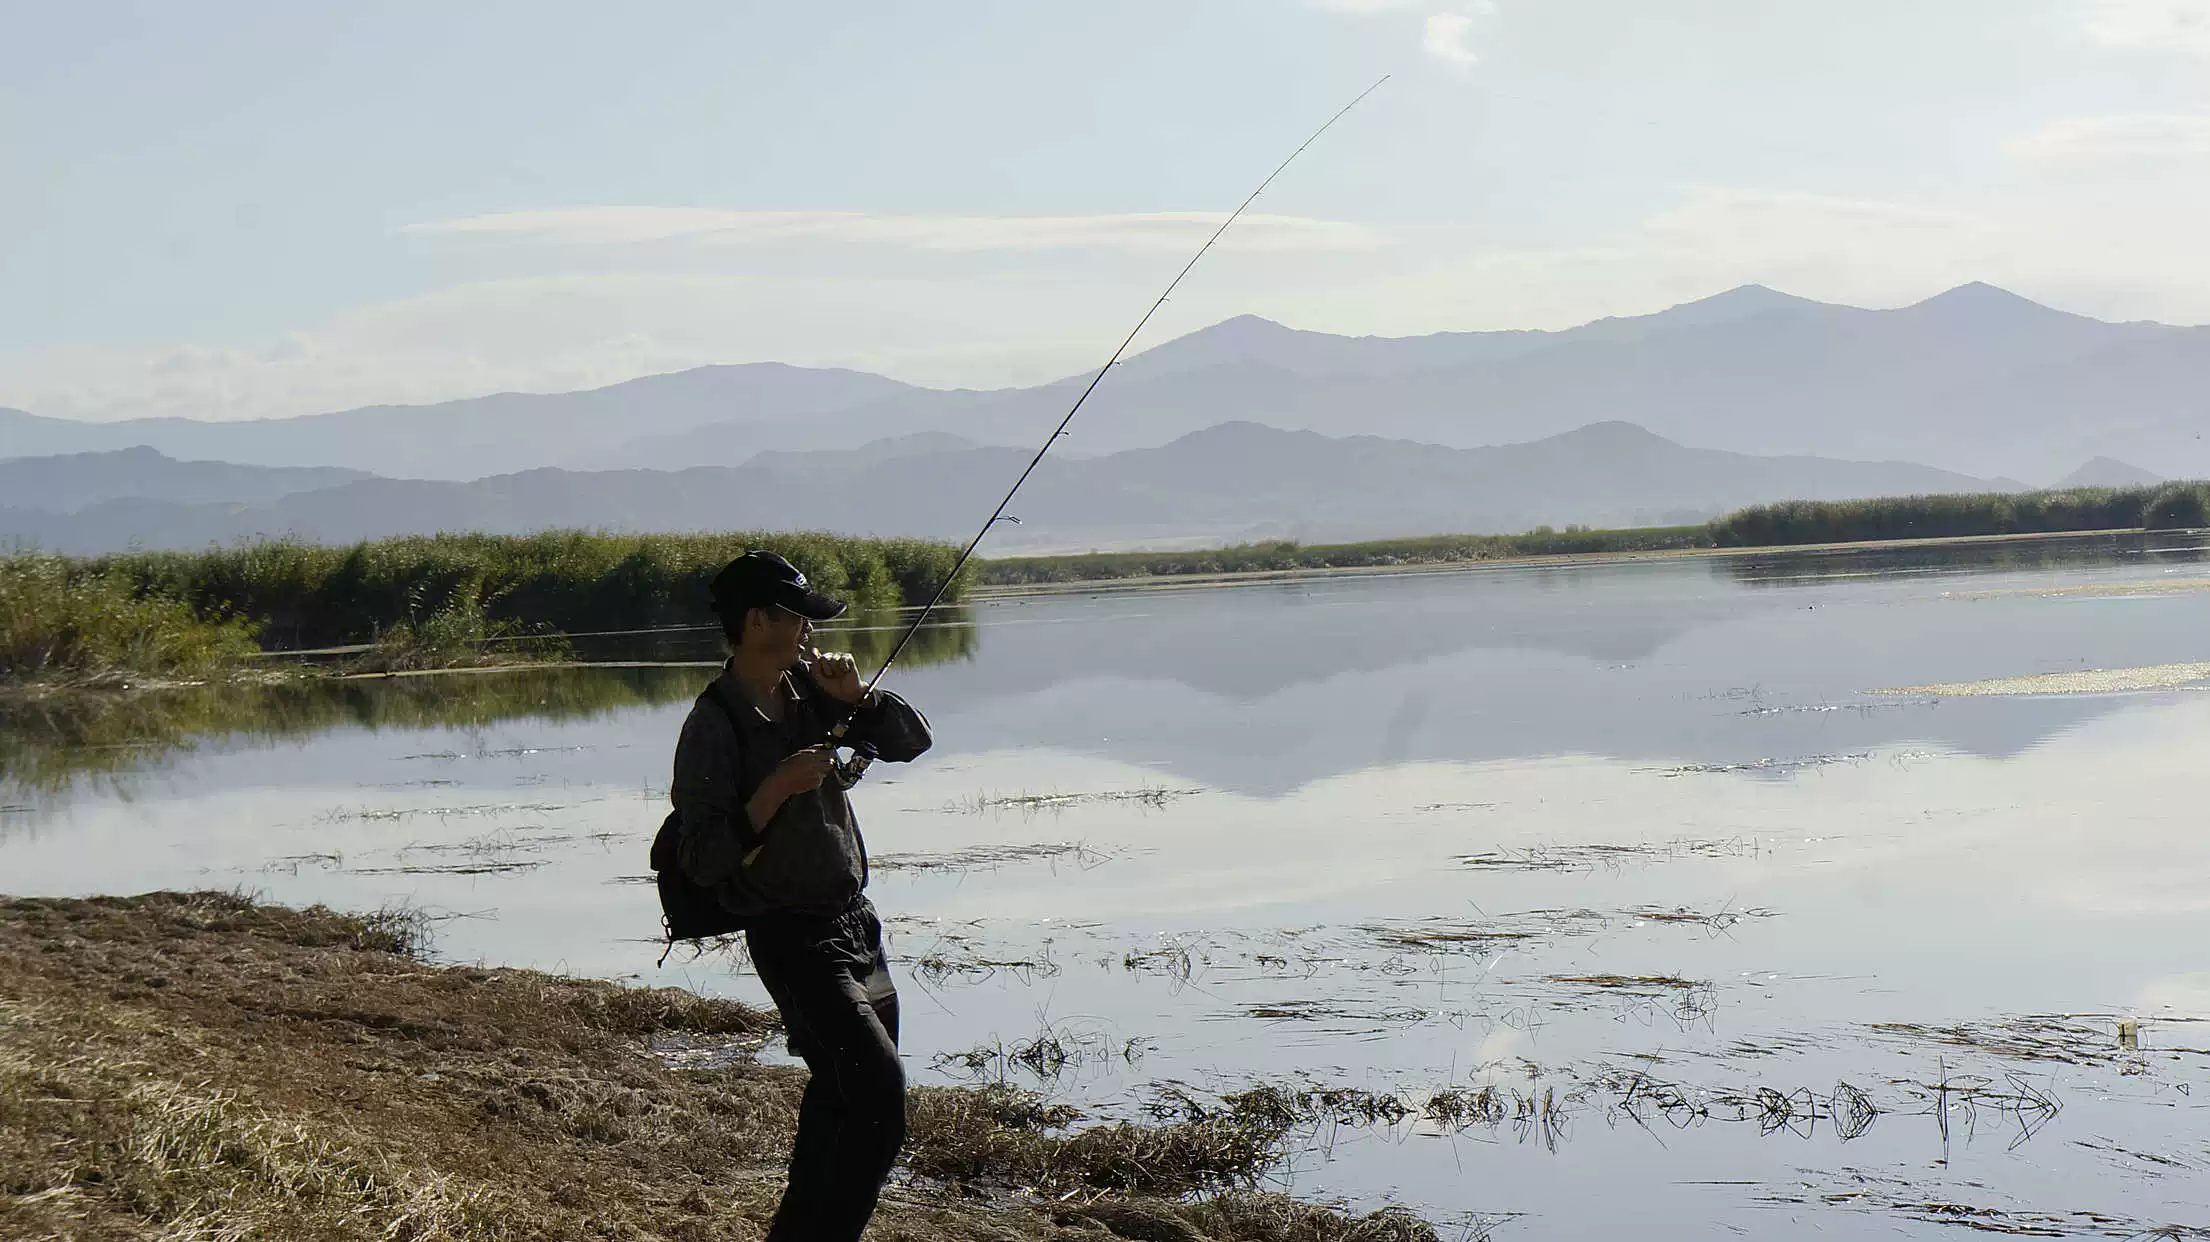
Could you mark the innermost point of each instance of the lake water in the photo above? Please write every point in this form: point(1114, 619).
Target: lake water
point(1673, 876)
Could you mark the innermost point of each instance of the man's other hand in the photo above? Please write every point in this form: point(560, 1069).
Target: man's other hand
point(804, 770)
point(838, 674)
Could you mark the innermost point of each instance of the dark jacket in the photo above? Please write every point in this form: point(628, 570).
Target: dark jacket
point(811, 858)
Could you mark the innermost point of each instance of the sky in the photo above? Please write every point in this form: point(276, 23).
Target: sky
point(232, 210)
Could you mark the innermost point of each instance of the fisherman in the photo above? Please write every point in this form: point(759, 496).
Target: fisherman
point(764, 826)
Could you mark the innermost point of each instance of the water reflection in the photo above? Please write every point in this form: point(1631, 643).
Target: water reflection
point(1684, 662)
point(1263, 688)
point(1631, 841)
point(49, 745)
point(948, 636)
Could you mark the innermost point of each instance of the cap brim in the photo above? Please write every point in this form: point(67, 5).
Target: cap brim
point(812, 606)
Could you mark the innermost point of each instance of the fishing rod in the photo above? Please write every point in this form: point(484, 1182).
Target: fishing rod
point(858, 765)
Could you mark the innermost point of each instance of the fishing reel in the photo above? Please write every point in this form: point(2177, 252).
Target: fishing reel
point(847, 772)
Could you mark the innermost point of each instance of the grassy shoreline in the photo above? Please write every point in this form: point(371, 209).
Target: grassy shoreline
point(408, 604)
point(182, 1065)
point(448, 601)
point(1195, 579)
point(1009, 574)
point(1930, 520)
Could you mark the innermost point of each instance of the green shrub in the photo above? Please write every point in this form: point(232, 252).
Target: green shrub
point(419, 602)
point(311, 595)
point(64, 621)
point(1950, 516)
point(2178, 506)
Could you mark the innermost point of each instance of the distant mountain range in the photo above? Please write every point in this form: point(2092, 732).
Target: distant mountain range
point(1246, 429)
point(1234, 481)
point(1975, 381)
point(81, 481)
point(2103, 472)
point(480, 436)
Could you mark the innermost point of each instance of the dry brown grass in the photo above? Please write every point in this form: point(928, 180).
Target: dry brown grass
point(197, 1067)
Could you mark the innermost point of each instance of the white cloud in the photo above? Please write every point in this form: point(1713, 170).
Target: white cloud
point(562, 333)
point(2128, 260)
point(1446, 36)
point(983, 324)
point(1862, 252)
point(1765, 225)
point(1445, 39)
point(2104, 139)
point(2151, 25)
point(1137, 231)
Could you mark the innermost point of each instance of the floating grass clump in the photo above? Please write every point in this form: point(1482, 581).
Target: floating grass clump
point(1002, 1134)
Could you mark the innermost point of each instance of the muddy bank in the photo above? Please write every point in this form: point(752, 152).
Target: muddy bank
point(199, 1066)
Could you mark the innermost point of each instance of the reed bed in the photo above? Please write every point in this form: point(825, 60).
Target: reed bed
point(571, 581)
point(2164, 506)
point(426, 602)
point(60, 621)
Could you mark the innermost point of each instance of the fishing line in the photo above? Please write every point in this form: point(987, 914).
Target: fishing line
point(998, 514)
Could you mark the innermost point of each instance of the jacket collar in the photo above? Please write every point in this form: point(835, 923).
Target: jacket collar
point(741, 694)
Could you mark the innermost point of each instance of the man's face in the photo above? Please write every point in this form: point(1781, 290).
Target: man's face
point(779, 632)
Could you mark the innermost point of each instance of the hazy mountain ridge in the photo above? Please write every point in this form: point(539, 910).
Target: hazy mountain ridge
point(1237, 480)
point(66, 484)
point(1976, 381)
point(474, 437)
point(2105, 472)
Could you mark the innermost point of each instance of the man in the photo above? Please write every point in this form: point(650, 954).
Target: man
point(764, 824)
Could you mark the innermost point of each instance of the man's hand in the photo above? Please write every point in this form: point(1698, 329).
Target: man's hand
point(804, 770)
point(838, 674)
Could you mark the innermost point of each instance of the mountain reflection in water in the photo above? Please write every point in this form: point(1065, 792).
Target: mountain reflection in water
point(1746, 663)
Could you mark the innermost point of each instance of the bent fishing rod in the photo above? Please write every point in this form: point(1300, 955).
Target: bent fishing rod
point(852, 770)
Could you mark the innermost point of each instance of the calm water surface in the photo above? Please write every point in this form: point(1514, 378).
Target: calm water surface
point(1735, 942)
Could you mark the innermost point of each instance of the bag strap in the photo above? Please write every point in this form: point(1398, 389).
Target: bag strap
point(720, 698)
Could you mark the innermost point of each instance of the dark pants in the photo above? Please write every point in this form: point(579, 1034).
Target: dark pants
point(830, 980)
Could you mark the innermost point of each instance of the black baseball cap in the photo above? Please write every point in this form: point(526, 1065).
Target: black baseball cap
point(760, 578)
